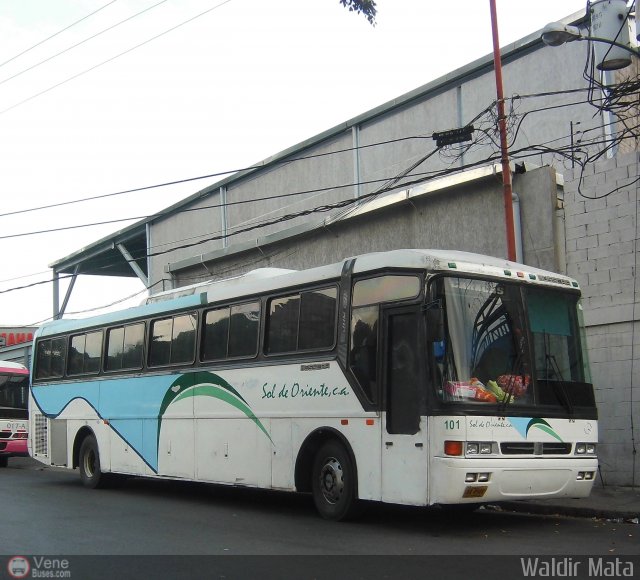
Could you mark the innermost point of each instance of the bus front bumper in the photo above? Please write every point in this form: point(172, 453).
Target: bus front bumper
point(14, 448)
point(460, 480)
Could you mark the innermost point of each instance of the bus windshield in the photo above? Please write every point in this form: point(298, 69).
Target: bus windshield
point(14, 393)
point(511, 344)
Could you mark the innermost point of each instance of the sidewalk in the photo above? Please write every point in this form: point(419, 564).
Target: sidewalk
point(619, 503)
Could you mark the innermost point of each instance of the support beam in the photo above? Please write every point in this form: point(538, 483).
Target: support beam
point(224, 218)
point(56, 295)
point(133, 264)
point(355, 137)
point(65, 302)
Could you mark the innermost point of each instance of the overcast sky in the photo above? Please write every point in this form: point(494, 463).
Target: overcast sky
point(185, 93)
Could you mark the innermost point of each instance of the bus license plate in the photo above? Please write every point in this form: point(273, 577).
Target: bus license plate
point(476, 491)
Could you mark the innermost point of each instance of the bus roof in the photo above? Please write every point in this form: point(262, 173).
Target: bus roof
point(12, 368)
point(271, 279)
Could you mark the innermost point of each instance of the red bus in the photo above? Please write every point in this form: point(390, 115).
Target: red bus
point(14, 415)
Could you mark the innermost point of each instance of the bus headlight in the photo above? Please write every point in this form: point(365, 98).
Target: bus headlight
point(586, 448)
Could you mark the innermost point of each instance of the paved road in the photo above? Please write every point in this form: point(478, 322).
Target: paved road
point(47, 511)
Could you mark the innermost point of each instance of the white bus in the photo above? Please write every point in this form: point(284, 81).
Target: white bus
point(413, 377)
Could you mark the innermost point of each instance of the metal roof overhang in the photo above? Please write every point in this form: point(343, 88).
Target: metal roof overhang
point(106, 256)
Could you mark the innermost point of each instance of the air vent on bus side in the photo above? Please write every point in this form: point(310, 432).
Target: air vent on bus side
point(40, 437)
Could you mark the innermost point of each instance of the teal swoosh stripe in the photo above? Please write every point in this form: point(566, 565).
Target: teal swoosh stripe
point(210, 390)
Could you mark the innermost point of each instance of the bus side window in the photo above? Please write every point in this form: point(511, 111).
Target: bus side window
point(173, 340)
point(125, 347)
point(50, 358)
point(304, 321)
point(231, 332)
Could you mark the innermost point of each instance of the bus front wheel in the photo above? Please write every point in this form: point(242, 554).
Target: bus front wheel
point(89, 464)
point(334, 483)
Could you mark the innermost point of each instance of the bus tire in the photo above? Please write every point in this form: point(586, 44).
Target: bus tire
point(334, 483)
point(4, 460)
point(89, 464)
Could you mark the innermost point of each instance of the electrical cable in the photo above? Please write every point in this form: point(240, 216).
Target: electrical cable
point(68, 49)
point(94, 67)
point(209, 176)
point(517, 154)
point(57, 33)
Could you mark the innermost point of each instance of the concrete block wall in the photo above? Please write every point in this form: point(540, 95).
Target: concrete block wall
point(601, 252)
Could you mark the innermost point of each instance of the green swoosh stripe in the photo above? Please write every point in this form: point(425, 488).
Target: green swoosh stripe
point(549, 430)
point(543, 426)
point(187, 381)
point(209, 390)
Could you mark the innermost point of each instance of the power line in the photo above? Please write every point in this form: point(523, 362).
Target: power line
point(286, 161)
point(523, 153)
point(80, 43)
point(537, 148)
point(57, 33)
point(73, 77)
point(210, 175)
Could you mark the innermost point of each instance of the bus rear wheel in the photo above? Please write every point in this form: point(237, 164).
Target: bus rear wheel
point(334, 483)
point(89, 464)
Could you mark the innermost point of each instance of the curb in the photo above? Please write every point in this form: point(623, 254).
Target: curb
point(572, 511)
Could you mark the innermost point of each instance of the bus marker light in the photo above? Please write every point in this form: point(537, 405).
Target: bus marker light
point(370, 422)
point(520, 274)
point(344, 421)
point(453, 448)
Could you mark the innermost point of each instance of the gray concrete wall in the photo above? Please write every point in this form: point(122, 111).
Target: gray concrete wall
point(602, 239)
point(464, 217)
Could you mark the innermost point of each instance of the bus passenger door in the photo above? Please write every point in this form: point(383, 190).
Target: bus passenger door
point(404, 432)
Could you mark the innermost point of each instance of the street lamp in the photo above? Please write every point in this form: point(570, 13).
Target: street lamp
point(556, 33)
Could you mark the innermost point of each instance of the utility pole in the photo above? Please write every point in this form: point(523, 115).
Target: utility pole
point(504, 148)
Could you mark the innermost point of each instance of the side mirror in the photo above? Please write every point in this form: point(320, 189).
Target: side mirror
point(434, 317)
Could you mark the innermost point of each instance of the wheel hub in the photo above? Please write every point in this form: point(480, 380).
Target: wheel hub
point(332, 480)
